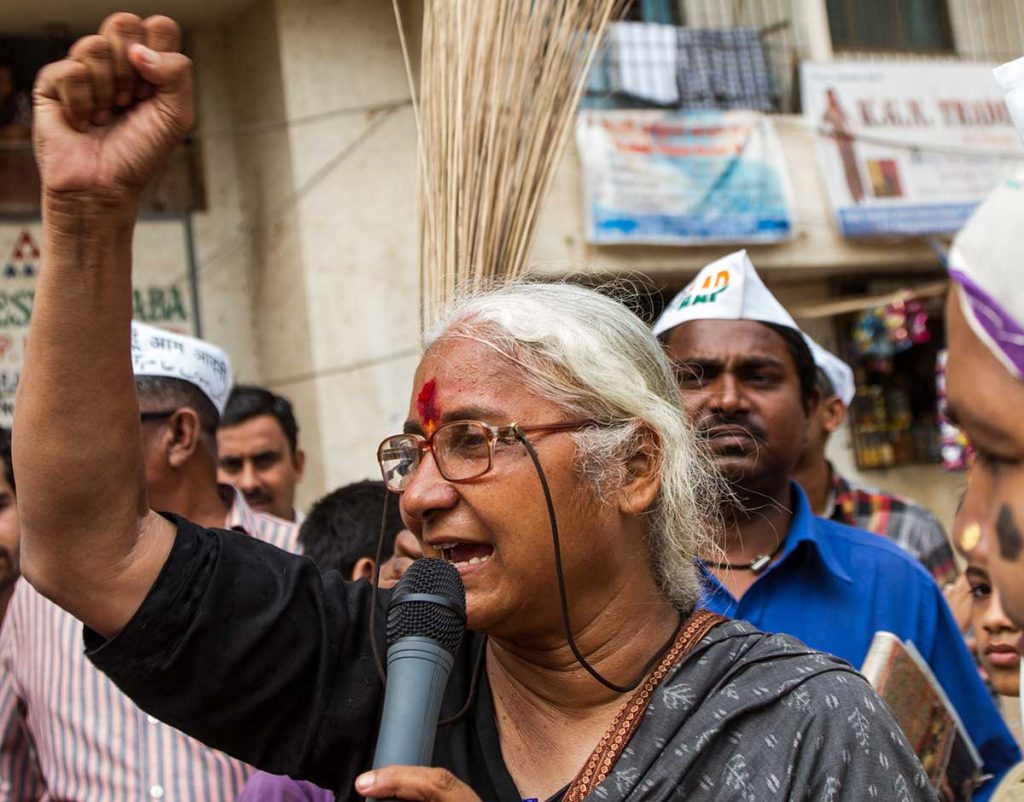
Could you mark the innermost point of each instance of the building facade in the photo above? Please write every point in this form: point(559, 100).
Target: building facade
point(304, 238)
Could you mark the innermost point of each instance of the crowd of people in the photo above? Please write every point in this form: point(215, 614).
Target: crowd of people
point(670, 588)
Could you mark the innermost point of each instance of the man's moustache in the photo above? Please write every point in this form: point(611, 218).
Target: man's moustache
point(258, 496)
point(712, 427)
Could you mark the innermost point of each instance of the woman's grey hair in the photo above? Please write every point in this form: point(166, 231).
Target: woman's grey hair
point(590, 354)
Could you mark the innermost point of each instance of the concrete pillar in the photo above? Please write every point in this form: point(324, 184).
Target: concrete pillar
point(812, 16)
point(331, 202)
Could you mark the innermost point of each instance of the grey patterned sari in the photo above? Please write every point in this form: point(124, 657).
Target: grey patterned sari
point(750, 716)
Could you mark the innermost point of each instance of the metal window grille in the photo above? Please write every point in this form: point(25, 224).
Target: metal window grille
point(981, 30)
point(668, 66)
point(910, 26)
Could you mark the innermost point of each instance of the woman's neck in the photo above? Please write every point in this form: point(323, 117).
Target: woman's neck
point(550, 712)
point(616, 643)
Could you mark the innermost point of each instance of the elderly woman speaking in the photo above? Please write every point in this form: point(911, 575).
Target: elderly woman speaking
point(535, 410)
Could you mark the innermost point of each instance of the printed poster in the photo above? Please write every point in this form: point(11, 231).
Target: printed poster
point(909, 148)
point(682, 177)
point(162, 294)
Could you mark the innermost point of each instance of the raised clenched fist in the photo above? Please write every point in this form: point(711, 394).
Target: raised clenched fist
point(108, 115)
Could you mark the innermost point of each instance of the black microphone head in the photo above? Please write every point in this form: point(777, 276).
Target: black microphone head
point(413, 613)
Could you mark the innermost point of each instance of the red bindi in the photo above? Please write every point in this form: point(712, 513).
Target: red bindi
point(427, 408)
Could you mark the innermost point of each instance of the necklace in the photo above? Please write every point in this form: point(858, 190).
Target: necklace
point(757, 565)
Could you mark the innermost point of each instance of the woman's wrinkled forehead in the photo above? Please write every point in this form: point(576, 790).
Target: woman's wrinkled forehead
point(457, 377)
point(983, 397)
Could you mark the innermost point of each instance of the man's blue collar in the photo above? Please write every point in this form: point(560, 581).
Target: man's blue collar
point(806, 528)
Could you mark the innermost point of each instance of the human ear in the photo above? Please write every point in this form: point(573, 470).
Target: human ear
point(299, 460)
point(363, 569)
point(185, 433)
point(643, 474)
point(834, 413)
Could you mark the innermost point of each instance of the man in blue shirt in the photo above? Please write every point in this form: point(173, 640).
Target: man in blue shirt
point(747, 382)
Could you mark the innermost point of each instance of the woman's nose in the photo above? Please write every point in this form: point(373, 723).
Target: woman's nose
point(427, 492)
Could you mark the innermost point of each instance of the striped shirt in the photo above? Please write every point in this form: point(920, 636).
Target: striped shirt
point(67, 734)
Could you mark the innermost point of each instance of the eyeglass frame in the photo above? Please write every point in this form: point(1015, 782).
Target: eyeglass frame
point(157, 415)
point(507, 433)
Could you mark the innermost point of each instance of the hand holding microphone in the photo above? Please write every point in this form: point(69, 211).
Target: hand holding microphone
point(425, 628)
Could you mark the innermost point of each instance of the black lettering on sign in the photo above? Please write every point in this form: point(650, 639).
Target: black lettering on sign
point(162, 343)
point(1008, 534)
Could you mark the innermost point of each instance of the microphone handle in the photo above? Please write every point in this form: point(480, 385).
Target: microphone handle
point(418, 670)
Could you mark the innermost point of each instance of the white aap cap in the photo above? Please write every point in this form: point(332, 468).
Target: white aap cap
point(839, 374)
point(728, 289)
point(156, 352)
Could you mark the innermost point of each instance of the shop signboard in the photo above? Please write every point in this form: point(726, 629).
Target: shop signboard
point(682, 177)
point(908, 148)
point(162, 293)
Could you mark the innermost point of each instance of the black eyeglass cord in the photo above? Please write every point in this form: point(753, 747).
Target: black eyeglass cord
point(564, 597)
point(378, 559)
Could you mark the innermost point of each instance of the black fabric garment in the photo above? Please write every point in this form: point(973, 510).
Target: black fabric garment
point(242, 645)
point(256, 653)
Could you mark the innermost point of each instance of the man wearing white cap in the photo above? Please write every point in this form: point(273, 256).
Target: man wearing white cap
point(832, 495)
point(88, 740)
point(747, 382)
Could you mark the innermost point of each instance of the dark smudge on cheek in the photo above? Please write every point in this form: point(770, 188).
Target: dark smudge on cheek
point(1010, 540)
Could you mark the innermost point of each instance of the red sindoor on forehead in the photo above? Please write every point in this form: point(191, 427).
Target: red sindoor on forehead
point(427, 407)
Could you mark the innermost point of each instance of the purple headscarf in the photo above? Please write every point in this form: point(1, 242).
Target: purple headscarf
point(987, 263)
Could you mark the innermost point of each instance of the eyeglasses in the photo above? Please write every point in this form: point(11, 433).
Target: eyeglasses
point(463, 449)
point(161, 415)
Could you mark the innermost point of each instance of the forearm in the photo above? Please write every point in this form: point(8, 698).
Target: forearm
point(105, 120)
point(77, 443)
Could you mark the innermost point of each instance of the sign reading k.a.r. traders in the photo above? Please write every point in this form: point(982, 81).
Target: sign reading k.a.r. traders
point(909, 148)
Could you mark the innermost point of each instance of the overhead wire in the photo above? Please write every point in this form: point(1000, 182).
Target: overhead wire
point(266, 126)
point(348, 367)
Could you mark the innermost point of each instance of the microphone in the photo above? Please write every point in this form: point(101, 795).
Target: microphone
point(425, 628)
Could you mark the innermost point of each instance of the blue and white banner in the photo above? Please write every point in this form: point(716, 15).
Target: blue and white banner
point(908, 148)
point(682, 178)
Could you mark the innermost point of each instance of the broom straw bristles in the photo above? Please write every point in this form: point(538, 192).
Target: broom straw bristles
point(500, 82)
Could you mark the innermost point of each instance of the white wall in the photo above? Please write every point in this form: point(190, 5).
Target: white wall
point(307, 252)
point(222, 241)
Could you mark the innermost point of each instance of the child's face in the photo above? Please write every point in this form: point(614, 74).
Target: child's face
point(998, 638)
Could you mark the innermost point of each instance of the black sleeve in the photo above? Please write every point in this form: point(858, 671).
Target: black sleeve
point(254, 652)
